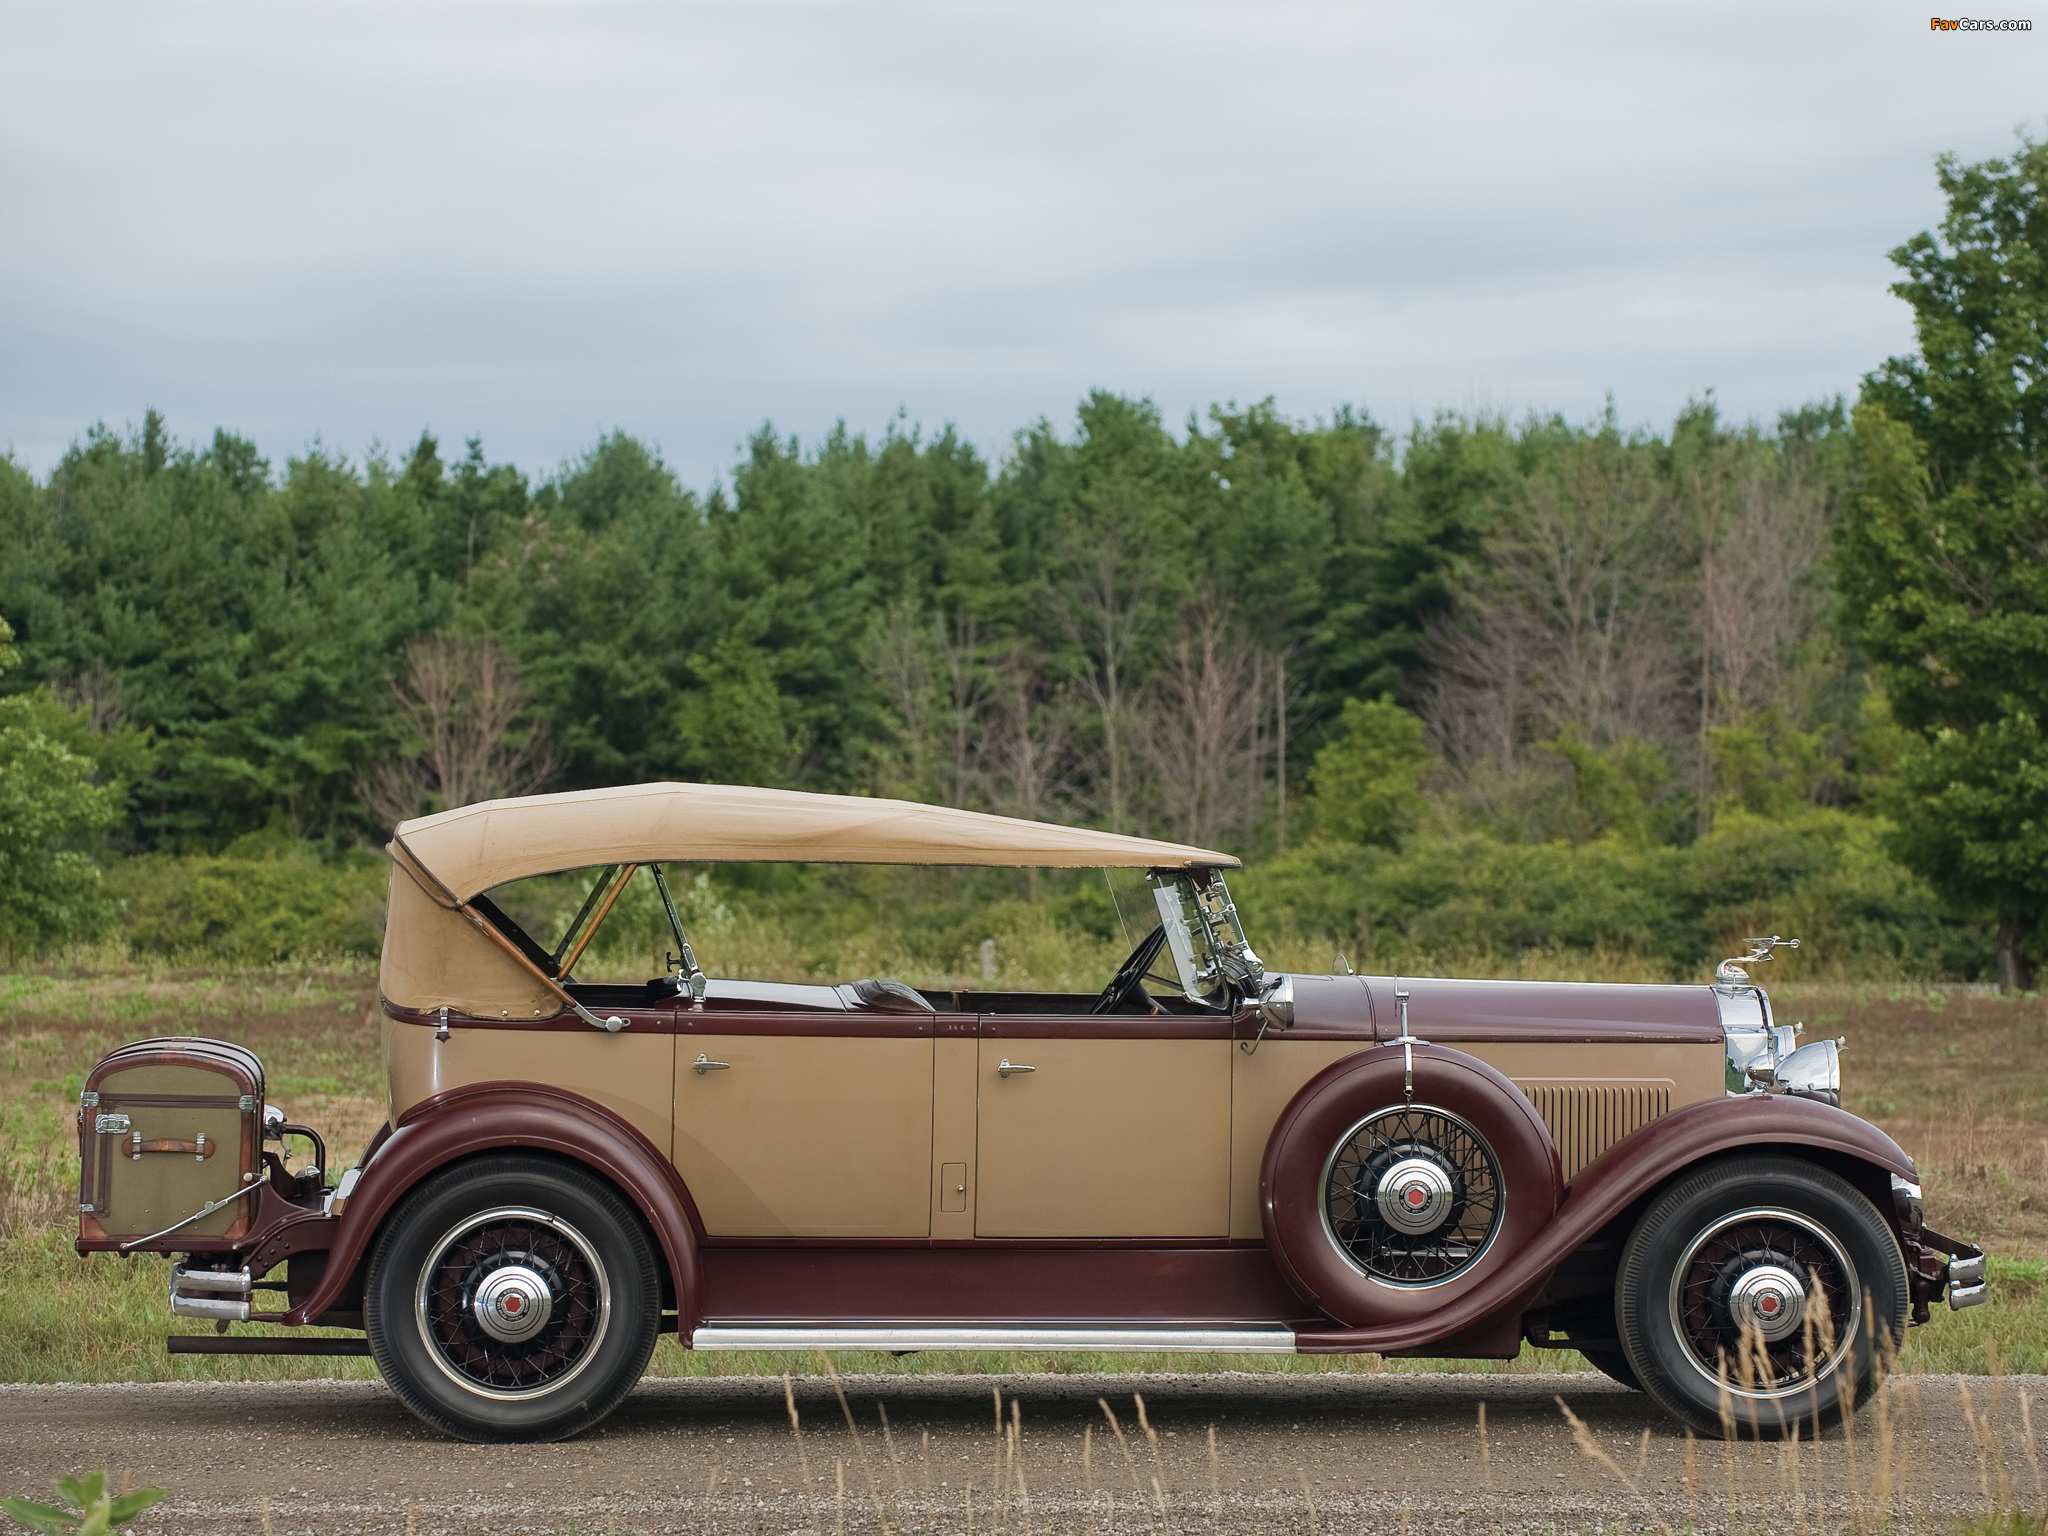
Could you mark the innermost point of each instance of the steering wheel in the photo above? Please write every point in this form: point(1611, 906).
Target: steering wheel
point(1128, 982)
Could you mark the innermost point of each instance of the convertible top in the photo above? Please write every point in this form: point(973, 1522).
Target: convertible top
point(477, 847)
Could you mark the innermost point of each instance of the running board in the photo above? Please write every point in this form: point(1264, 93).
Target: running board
point(1201, 1341)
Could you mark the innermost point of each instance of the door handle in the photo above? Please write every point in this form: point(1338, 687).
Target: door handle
point(1009, 1066)
point(705, 1064)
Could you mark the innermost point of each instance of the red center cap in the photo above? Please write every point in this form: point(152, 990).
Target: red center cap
point(515, 1303)
point(1767, 1304)
point(1416, 1196)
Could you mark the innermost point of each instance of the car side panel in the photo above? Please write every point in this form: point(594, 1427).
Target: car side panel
point(1107, 1137)
point(955, 1163)
point(1266, 1080)
point(807, 1135)
point(629, 1073)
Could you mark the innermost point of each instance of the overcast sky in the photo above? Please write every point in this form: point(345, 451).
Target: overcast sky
point(537, 222)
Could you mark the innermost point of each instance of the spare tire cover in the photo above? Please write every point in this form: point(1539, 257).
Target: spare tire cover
point(1379, 1206)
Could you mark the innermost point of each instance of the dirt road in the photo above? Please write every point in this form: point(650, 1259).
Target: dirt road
point(1303, 1453)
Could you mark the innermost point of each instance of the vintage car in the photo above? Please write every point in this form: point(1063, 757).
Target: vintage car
point(1203, 1156)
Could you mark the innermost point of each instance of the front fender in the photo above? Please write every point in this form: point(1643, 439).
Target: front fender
point(482, 1117)
point(1623, 1174)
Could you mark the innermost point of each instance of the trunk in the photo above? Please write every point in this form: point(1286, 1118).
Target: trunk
point(2015, 970)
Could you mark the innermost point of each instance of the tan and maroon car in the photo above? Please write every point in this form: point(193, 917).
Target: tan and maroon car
point(1202, 1157)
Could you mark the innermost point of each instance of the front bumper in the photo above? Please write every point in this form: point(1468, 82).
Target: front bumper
point(1935, 1265)
point(1938, 1266)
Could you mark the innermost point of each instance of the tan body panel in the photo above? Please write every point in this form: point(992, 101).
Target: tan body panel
point(953, 1128)
point(807, 1136)
point(1266, 1081)
point(1608, 1091)
point(1106, 1138)
point(628, 1073)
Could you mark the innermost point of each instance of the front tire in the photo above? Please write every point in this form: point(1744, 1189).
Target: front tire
point(1759, 1293)
point(512, 1298)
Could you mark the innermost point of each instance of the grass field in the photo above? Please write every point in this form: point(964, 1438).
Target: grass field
point(1958, 1075)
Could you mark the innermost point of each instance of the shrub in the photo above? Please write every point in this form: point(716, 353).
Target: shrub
point(254, 903)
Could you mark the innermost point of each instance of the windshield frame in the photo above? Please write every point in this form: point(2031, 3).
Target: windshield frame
point(1206, 937)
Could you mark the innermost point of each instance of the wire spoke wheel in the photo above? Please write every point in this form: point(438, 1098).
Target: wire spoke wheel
point(513, 1303)
point(1412, 1195)
point(1766, 1299)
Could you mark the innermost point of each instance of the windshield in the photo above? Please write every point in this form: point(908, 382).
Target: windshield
point(1203, 933)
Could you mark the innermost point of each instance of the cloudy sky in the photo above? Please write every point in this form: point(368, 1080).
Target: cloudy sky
point(537, 222)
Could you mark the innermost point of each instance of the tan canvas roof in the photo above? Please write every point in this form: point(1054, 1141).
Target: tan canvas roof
point(481, 846)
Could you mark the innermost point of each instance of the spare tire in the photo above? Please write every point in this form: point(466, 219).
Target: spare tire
point(1384, 1201)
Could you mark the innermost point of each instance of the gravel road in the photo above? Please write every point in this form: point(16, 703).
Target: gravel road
point(1327, 1454)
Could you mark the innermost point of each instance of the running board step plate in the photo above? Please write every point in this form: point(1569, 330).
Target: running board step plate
point(1222, 1341)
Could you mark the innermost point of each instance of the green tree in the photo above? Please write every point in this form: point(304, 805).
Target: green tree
point(49, 805)
point(1943, 555)
point(1366, 786)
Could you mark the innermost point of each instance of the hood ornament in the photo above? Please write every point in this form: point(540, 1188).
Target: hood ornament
point(1730, 972)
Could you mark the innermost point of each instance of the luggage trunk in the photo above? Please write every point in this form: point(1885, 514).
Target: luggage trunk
point(166, 1128)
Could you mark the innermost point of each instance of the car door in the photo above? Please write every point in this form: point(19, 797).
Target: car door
point(804, 1121)
point(1103, 1126)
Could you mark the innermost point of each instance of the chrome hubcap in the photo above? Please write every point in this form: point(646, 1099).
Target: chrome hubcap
point(1769, 1299)
point(512, 1304)
point(1414, 1196)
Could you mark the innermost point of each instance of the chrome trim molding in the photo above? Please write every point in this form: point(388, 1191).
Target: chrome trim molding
point(780, 1336)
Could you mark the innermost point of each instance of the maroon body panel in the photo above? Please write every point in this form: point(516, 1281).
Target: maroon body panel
point(1453, 1011)
point(992, 1282)
point(1626, 1172)
point(485, 1117)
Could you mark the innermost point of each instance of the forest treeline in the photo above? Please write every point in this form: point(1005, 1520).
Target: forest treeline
point(1477, 689)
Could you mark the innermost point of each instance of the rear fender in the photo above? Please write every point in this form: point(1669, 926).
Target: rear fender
point(489, 1117)
point(1627, 1172)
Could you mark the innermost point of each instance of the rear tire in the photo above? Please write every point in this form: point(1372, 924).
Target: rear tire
point(512, 1298)
point(1759, 1293)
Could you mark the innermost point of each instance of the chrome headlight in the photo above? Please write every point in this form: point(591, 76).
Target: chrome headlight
point(1811, 1072)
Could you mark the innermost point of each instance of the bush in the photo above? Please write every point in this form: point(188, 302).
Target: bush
point(1472, 901)
point(261, 901)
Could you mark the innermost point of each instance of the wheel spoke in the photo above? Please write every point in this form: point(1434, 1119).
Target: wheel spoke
point(537, 1257)
point(1785, 1252)
point(1454, 1167)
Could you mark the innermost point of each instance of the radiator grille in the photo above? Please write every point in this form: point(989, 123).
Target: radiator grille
point(1585, 1119)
